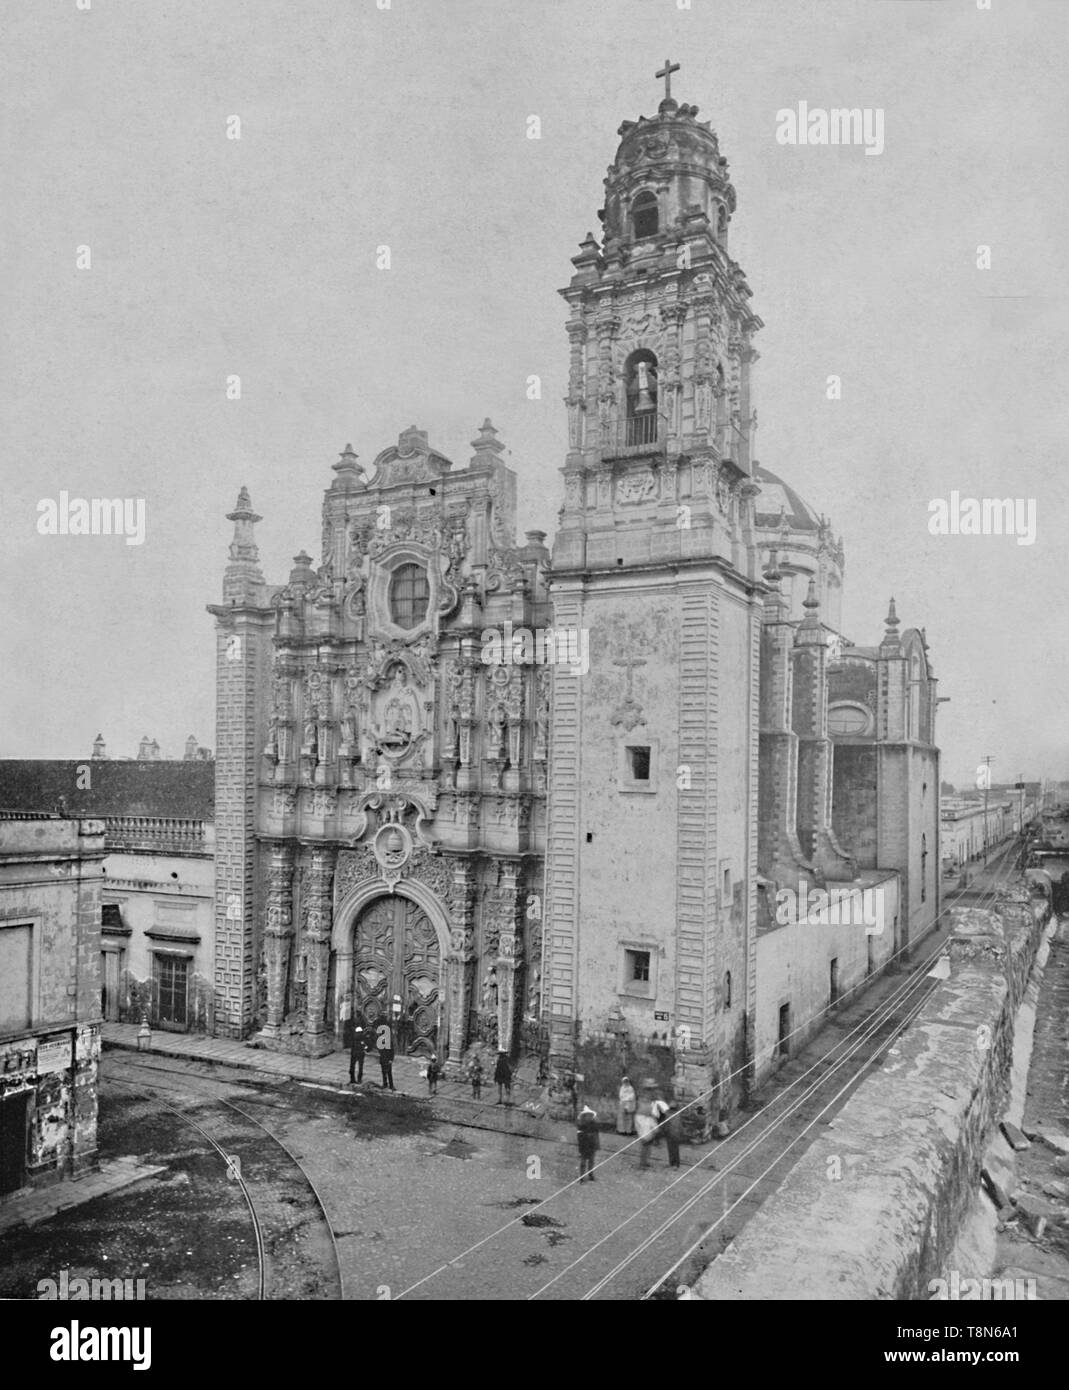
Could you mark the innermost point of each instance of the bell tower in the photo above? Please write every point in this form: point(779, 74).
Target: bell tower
point(659, 395)
point(652, 824)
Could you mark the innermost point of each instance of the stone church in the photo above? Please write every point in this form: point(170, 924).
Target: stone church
point(428, 808)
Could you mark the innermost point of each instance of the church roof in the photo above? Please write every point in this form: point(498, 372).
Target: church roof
point(775, 497)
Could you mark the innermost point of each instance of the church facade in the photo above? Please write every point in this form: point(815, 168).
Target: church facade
point(381, 782)
point(548, 805)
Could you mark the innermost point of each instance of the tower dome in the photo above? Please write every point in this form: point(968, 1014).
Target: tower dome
point(668, 178)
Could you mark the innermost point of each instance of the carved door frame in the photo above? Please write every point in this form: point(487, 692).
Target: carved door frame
point(347, 914)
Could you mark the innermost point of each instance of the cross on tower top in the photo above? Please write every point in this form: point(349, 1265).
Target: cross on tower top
point(666, 72)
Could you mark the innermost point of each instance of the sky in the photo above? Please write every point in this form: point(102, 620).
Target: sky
point(407, 126)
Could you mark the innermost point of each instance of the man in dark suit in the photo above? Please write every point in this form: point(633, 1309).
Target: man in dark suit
point(384, 1047)
point(357, 1053)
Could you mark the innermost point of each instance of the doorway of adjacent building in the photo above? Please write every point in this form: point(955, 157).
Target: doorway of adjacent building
point(13, 1113)
point(396, 957)
point(110, 974)
point(833, 981)
point(783, 1046)
point(171, 980)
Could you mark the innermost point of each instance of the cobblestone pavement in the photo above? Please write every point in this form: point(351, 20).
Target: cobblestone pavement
point(427, 1199)
point(405, 1193)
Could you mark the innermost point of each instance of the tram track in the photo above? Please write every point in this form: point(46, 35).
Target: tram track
point(285, 1257)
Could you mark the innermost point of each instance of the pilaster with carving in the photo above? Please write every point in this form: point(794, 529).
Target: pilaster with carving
point(278, 931)
point(576, 398)
point(461, 961)
point(673, 316)
point(502, 917)
point(316, 897)
point(607, 396)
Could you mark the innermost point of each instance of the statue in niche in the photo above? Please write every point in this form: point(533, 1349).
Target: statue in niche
point(498, 732)
point(489, 998)
point(452, 733)
point(398, 721)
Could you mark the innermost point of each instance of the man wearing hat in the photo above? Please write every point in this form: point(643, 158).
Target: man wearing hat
point(587, 1137)
point(357, 1053)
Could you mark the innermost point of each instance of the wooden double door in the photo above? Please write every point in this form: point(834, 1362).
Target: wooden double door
point(396, 955)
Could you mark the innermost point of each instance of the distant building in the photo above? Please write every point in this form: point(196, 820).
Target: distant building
point(969, 830)
point(157, 884)
point(50, 933)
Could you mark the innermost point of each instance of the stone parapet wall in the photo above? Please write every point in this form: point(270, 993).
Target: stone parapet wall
point(873, 1206)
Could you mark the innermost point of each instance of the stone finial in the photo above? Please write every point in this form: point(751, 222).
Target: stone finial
point(810, 631)
point(487, 446)
point(588, 252)
point(99, 747)
point(891, 624)
point(349, 473)
point(301, 576)
point(776, 600)
point(243, 547)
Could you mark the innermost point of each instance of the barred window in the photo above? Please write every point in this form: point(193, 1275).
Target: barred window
point(409, 595)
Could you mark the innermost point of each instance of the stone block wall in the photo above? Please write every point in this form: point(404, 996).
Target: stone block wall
point(874, 1204)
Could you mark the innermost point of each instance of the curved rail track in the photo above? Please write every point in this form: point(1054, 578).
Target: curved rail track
point(267, 1229)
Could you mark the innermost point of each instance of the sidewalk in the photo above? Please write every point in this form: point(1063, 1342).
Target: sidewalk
point(452, 1105)
point(40, 1204)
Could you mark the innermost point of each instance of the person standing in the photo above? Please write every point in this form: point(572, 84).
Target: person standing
point(626, 1107)
point(475, 1076)
point(384, 1047)
point(586, 1134)
point(673, 1133)
point(357, 1053)
point(648, 1117)
point(503, 1078)
point(434, 1071)
point(646, 1129)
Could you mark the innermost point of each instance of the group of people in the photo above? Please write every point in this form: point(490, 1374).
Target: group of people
point(502, 1078)
point(650, 1116)
point(381, 1039)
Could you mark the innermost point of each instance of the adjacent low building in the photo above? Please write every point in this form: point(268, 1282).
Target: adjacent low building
point(50, 880)
point(157, 936)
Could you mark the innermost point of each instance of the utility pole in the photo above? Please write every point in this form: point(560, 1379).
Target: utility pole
point(987, 760)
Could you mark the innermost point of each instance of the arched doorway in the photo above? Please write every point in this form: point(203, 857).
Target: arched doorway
point(396, 953)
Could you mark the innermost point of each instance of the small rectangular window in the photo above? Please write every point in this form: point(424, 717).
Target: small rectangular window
point(638, 763)
point(638, 966)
